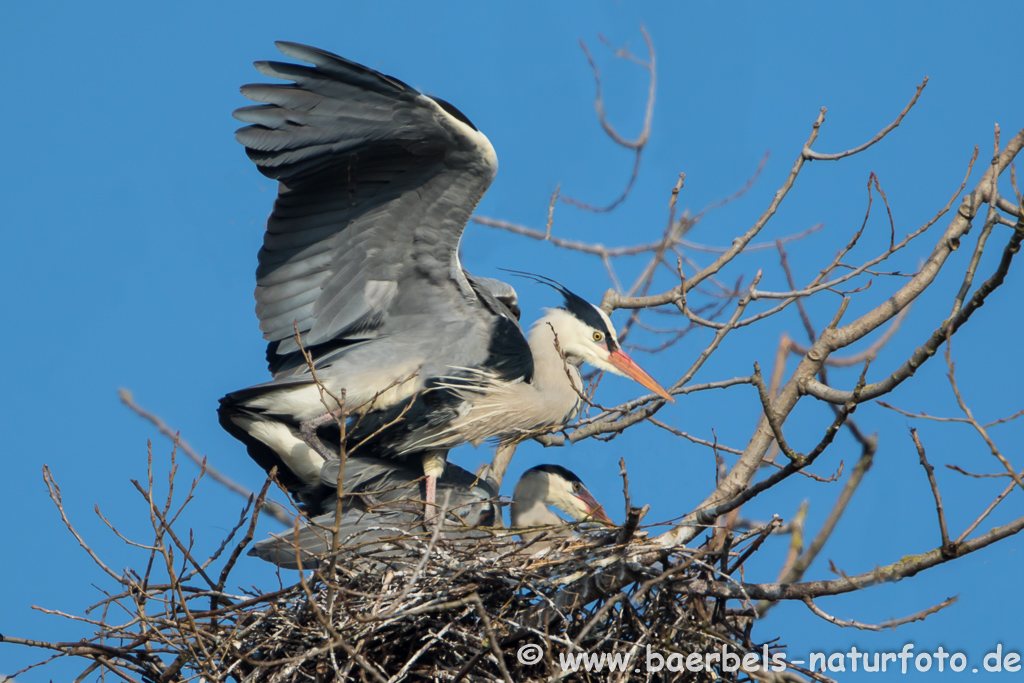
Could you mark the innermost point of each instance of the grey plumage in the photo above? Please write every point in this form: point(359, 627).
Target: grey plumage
point(382, 512)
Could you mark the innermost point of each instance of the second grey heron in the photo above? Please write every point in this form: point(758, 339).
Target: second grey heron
point(383, 499)
point(360, 269)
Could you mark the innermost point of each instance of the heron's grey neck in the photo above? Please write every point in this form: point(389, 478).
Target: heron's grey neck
point(533, 512)
point(549, 371)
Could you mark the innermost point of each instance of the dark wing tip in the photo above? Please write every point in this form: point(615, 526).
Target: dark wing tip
point(306, 53)
point(335, 64)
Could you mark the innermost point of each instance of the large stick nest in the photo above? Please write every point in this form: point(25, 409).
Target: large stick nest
point(429, 608)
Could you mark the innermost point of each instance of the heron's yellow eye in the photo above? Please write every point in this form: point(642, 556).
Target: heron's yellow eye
point(576, 486)
point(598, 336)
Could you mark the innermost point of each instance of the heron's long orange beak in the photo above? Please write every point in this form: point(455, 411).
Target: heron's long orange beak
point(628, 366)
point(594, 509)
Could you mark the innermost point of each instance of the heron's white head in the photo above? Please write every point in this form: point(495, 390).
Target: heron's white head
point(553, 485)
point(586, 334)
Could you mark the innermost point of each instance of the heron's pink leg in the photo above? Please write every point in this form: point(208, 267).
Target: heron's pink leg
point(430, 509)
point(433, 467)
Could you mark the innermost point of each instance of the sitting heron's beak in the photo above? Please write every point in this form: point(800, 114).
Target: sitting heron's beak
point(594, 509)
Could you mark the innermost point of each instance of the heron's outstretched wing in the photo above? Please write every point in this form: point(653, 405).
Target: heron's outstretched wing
point(377, 182)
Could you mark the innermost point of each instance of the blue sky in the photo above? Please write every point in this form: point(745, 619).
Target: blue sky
point(133, 219)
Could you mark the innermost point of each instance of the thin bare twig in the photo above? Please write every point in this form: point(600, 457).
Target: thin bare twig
point(892, 623)
point(818, 156)
point(271, 508)
point(930, 471)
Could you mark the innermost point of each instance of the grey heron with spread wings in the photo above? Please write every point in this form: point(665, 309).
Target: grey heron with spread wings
point(360, 270)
